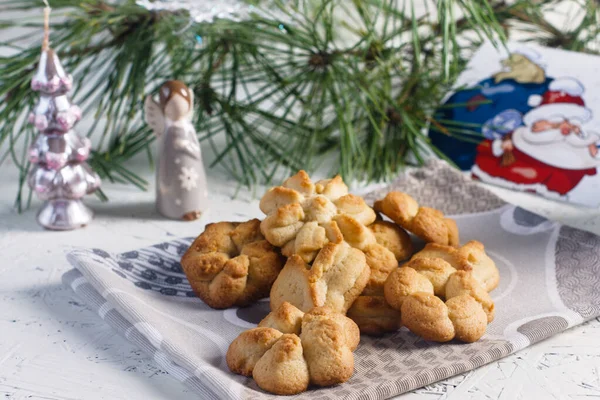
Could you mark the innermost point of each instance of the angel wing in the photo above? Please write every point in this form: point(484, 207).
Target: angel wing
point(154, 116)
point(190, 114)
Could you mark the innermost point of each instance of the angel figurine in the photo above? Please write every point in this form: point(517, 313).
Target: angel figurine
point(180, 179)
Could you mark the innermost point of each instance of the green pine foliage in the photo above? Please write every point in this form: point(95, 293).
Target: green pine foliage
point(351, 80)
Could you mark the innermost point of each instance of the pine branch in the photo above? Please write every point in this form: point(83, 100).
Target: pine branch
point(359, 79)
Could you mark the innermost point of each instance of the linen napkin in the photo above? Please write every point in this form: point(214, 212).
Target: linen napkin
point(550, 281)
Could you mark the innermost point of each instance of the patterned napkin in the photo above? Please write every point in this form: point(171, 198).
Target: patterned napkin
point(550, 281)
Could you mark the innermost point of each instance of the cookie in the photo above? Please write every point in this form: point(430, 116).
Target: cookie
point(286, 318)
point(317, 352)
point(374, 316)
point(282, 369)
point(328, 345)
point(381, 260)
point(470, 257)
point(461, 317)
point(402, 283)
point(427, 223)
point(437, 301)
point(231, 264)
point(394, 238)
point(336, 278)
point(245, 351)
point(299, 214)
point(383, 243)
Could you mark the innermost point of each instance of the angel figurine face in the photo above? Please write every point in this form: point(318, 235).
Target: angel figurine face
point(180, 179)
point(176, 100)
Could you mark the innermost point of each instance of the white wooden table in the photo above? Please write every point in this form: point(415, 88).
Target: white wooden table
point(53, 347)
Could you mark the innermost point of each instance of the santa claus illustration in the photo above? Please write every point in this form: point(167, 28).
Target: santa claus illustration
point(552, 153)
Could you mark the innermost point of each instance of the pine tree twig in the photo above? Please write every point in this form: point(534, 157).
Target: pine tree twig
point(276, 83)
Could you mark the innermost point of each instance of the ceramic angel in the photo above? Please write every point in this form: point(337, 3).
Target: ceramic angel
point(180, 179)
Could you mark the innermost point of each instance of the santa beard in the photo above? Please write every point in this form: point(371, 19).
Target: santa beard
point(553, 148)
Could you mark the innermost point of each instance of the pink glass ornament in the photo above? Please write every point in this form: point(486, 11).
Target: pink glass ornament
point(40, 122)
point(34, 155)
point(82, 154)
point(56, 161)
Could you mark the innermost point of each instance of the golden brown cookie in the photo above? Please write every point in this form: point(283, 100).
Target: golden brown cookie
point(245, 351)
point(468, 318)
point(286, 319)
point(436, 270)
point(351, 333)
point(283, 369)
point(328, 347)
point(381, 260)
point(299, 214)
point(463, 282)
point(374, 316)
point(393, 238)
point(480, 264)
point(403, 282)
point(427, 223)
point(470, 257)
point(319, 353)
point(308, 220)
point(384, 244)
point(418, 290)
point(231, 264)
point(336, 278)
point(426, 315)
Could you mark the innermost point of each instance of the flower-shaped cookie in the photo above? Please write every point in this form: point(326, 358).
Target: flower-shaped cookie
point(299, 212)
point(418, 290)
point(290, 350)
point(470, 257)
point(231, 264)
point(337, 276)
point(427, 223)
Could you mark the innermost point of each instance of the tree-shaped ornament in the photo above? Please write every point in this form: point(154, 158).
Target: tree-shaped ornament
point(60, 176)
point(181, 191)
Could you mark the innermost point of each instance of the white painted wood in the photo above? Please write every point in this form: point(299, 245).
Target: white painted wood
point(53, 347)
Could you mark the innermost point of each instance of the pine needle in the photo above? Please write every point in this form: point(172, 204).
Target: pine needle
point(359, 79)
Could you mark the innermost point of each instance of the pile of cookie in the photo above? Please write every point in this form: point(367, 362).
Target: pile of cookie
point(333, 267)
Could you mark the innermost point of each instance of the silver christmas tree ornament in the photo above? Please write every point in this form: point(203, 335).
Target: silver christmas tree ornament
point(60, 176)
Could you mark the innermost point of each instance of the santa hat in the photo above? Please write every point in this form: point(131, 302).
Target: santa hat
point(562, 100)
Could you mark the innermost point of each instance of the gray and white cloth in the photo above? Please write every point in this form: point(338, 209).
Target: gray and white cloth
point(550, 281)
